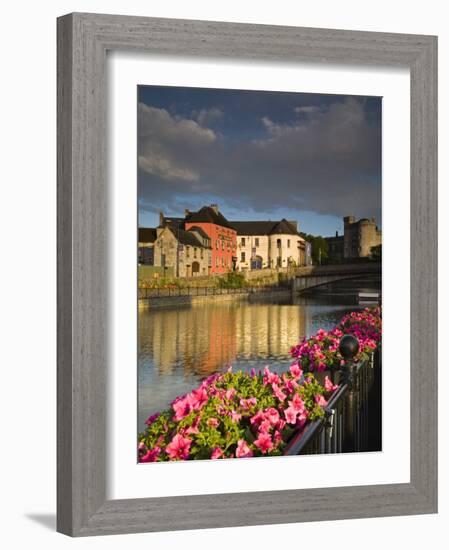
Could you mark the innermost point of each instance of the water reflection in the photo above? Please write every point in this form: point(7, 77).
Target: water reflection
point(179, 347)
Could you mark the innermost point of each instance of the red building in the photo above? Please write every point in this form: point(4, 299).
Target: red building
point(223, 236)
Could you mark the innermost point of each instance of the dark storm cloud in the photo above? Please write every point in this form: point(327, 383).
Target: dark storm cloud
point(326, 159)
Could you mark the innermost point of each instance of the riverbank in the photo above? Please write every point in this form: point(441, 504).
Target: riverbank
point(201, 296)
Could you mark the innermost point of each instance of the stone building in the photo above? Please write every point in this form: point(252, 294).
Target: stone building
point(358, 241)
point(187, 252)
point(269, 244)
point(335, 248)
point(360, 237)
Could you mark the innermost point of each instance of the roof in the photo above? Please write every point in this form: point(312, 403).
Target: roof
point(186, 237)
point(282, 227)
point(207, 214)
point(189, 238)
point(147, 234)
point(199, 231)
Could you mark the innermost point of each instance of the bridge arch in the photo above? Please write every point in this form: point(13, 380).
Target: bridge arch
point(318, 278)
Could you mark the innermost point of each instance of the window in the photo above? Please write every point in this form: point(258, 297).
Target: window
point(242, 257)
point(242, 241)
point(279, 243)
point(202, 254)
point(256, 241)
point(188, 251)
point(194, 252)
point(216, 244)
point(217, 262)
point(288, 243)
point(222, 245)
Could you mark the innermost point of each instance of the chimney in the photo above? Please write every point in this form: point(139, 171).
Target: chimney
point(336, 233)
point(186, 212)
point(214, 208)
point(161, 219)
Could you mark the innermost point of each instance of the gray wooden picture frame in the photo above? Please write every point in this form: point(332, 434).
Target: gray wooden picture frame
point(83, 40)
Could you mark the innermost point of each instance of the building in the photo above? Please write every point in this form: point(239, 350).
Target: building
point(335, 249)
point(222, 235)
point(269, 244)
point(360, 237)
point(360, 240)
point(187, 252)
point(147, 236)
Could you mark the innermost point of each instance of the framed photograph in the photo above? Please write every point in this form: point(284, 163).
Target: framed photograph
point(247, 274)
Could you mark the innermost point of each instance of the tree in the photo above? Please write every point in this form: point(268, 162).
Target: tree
point(320, 252)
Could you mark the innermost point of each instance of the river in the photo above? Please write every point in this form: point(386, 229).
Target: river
point(180, 346)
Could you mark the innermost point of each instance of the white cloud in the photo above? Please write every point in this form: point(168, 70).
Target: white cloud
point(307, 109)
point(208, 117)
point(168, 146)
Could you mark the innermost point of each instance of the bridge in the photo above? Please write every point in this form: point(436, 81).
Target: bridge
point(312, 276)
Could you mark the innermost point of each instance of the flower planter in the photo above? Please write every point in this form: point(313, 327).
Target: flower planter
point(239, 415)
point(350, 424)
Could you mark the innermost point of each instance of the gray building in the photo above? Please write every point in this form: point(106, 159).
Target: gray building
point(187, 252)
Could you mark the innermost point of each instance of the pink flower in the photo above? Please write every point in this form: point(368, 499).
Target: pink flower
point(290, 415)
point(264, 442)
point(198, 398)
point(178, 448)
point(150, 456)
point(235, 416)
point(230, 394)
point(243, 450)
point(213, 422)
point(319, 399)
point(182, 408)
point(210, 380)
point(328, 386)
point(151, 419)
point(257, 418)
point(216, 453)
point(297, 403)
point(248, 403)
point(272, 415)
point(281, 424)
point(278, 392)
point(296, 370)
point(290, 384)
point(270, 377)
point(193, 429)
point(265, 426)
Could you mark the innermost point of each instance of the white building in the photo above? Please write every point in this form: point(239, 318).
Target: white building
point(268, 244)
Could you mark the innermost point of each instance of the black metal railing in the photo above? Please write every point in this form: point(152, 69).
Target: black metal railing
point(145, 293)
point(352, 420)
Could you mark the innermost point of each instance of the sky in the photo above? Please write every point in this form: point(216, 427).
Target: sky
point(259, 155)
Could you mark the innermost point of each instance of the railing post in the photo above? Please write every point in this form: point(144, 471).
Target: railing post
point(329, 429)
point(349, 347)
